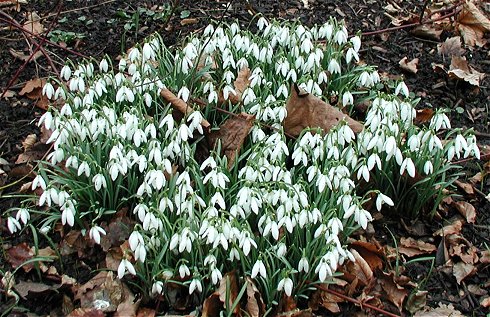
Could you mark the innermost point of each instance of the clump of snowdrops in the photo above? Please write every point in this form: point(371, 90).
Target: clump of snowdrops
point(281, 215)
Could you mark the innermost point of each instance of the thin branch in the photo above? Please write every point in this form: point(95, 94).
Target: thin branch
point(406, 26)
point(51, 26)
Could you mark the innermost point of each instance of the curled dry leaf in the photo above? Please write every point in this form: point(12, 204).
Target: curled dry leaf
point(411, 247)
point(255, 304)
point(466, 187)
point(409, 66)
point(24, 57)
point(395, 293)
point(305, 110)
point(29, 141)
point(231, 135)
point(454, 228)
point(370, 253)
point(462, 270)
point(26, 288)
point(359, 269)
point(423, 115)
point(33, 23)
point(18, 255)
point(451, 47)
point(460, 69)
point(189, 21)
point(466, 210)
point(212, 306)
point(472, 24)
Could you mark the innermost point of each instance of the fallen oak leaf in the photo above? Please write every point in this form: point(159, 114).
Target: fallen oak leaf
point(411, 247)
point(305, 110)
point(228, 289)
point(466, 187)
point(466, 210)
point(409, 66)
point(454, 228)
point(442, 310)
point(255, 304)
point(462, 270)
point(427, 31)
point(396, 294)
point(451, 47)
point(33, 23)
point(24, 57)
point(460, 69)
point(472, 24)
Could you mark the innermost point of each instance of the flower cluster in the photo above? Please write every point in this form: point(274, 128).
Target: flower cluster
point(118, 144)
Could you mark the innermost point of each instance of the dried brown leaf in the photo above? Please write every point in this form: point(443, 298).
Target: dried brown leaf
point(360, 268)
point(477, 290)
point(31, 86)
point(305, 110)
point(255, 304)
point(86, 312)
point(33, 23)
point(409, 66)
point(189, 21)
point(485, 302)
point(23, 288)
point(229, 285)
point(461, 70)
point(462, 270)
point(241, 83)
point(442, 310)
point(24, 57)
point(231, 135)
point(451, 47)
point(181, 105)
point(212, 306)
point(472, 24)
point(423, 115)
point(411, 247)
point(370, 253)
point(395, 293)
point(146, 312)
point(466, 210)
point(19, 254)
point(466, 187)
point(454, 228)
point(29, 141)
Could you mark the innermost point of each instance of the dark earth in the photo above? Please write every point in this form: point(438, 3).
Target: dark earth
point(111, 27)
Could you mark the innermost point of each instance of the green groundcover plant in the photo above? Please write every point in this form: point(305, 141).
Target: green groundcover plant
point(282, 213)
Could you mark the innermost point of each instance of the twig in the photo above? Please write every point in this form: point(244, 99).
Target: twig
point(31, 56)
point(355, 301)
point(482, 157)
point(33, 42)
point(46, 41)
point(405, 26)
point(421, 18)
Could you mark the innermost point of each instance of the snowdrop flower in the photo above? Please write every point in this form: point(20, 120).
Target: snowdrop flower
point(440, 121)
point(408, 165)
point(38, 181)
point(341, 36)
point(383, 199)
point(13, 225)
point(157, 288)
point(48, 90)
point(323, 270)
point(68, 214)
point(351, 53)
point(195, 285)
point(65, 72)
point(362, 217)
point(259, 268)
point(356, 43)
point(334, 67)
point(84, 168)
point(402, 87)
point(23, 215)
point(428, 168)
point(184, 271)
point(99, 181)
point(104, 65)
point(285, 284)
point(347, 99)
point(303, 265)
point(95, 233)
point(216, 276)
point(125, 266)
